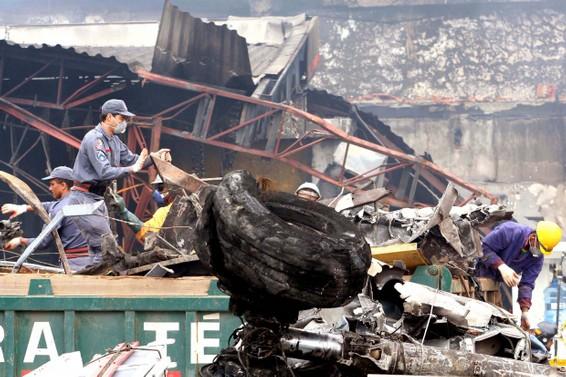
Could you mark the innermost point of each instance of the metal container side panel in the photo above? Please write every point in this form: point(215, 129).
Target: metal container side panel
point(35, 329)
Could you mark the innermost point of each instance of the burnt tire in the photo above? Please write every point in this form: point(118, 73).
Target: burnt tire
point(278, 251)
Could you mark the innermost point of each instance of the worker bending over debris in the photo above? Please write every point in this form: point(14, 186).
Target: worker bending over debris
point(513, 254)
point(76, 249)
point(308, 191)
point(102, 158)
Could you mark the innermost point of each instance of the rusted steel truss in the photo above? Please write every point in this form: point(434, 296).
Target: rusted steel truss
point(321, 130)
point(270, 118)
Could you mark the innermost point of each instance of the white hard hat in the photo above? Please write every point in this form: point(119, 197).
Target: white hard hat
point(308, 186)
point(157, 180)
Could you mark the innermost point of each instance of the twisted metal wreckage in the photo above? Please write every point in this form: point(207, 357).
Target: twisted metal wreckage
point(254, 241)
point(243, 108)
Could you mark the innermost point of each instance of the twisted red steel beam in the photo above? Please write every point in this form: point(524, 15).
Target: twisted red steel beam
point(182, 84)
point(38, 123)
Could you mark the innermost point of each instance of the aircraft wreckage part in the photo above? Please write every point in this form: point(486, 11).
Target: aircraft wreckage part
point(277, 251)
point(373, 354)
point(27, 194)
point(171, 174)
point(423, 360)
point(459, 310)
point(445, 234)
point(308, 345)
point(10, 229)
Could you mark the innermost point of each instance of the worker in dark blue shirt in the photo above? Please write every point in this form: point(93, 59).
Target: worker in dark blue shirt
point(76, 250)
point(102, 158)
point(513, 254)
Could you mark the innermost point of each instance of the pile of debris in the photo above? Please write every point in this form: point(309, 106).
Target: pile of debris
point(314, 301)
point(393, 327)
point(124, 360)
point(446, 234)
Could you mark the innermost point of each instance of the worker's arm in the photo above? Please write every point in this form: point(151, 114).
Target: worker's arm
point(527, 284)
point(16, 242)
point(99, 160)
point(14, 210)
point(127, 157)
point(124, 214)
point(47, 242)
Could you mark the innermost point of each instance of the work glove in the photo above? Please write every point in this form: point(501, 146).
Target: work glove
point(164, 154)
point(123, 213)
point(525, 323)
point(510, 277)
point(138, 165)
point(15, 243)
point(117, 201)
point(14, 210)
point(133, 221)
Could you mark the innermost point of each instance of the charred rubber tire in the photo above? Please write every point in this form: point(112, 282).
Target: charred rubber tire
point(280, 250)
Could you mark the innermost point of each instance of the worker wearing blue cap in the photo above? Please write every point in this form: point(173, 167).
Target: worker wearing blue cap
point(60, 183)
point(102, 158)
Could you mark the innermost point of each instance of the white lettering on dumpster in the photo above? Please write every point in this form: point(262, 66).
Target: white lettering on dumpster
point(2, 334)
point(40, 329)
point(161, 329)
point(199, 342)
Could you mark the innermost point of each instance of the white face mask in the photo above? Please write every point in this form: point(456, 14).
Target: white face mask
point(121, 127)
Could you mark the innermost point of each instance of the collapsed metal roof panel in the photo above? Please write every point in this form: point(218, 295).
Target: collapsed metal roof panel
point(134, 56)
point(329, 105)
point(189, 48)
point(43, 51)
point(272, 41)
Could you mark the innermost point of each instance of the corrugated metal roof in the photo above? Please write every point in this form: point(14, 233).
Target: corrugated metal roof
point(132, 56)
point(188, 48)
point(92, 56)
point(271, 41)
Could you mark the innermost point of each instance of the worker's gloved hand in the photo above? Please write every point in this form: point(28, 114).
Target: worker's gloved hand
point(133, 221)
point(164, 154)
point(525, 323)
point(14, 209)
point(138, 165)
point(510, 277)
point(14, 243)
point(118, 201)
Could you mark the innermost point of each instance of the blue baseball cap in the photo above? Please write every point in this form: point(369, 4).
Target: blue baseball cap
point(60, 172)
point(116, 106)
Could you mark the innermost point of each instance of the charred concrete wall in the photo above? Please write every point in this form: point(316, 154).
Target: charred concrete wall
point(525, 143)
point(487, 53)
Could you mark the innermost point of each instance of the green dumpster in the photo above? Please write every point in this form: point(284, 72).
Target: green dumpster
point(43, 316)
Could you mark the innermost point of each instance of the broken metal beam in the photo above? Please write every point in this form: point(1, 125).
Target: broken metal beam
point(38, 123)
point(428, 167)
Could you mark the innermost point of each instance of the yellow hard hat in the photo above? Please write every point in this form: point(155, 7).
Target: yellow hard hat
point(548, 234)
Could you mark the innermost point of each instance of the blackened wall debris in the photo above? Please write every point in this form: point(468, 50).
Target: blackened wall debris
point(498, 55)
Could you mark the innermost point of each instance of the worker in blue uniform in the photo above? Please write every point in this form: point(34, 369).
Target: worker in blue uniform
point(60, 183)
point(513, 255)
point(102, 158)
